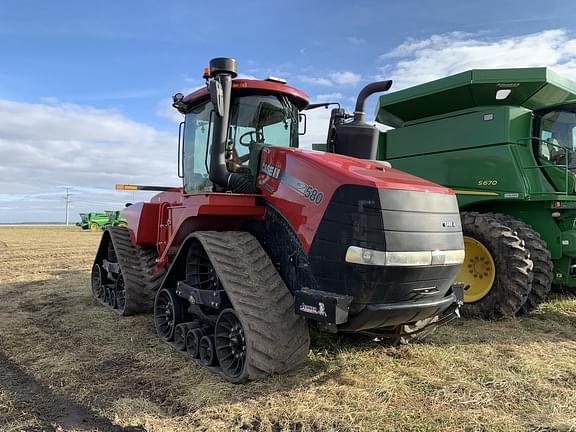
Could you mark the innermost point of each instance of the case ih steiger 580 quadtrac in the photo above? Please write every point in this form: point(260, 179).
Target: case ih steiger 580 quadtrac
point(265, 239)
point(505, 141)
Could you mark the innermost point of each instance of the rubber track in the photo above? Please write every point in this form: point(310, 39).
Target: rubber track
point(513, 279)
point(137, 266)
point(540, 256)
point(278, 339)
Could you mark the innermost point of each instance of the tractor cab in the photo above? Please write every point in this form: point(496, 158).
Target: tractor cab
point(261, 113)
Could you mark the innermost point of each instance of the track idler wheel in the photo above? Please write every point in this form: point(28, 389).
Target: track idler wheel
point(230, 345)
point(168, 313)
point(206, 351)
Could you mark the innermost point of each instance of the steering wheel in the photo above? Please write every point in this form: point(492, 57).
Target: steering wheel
point(248, 134)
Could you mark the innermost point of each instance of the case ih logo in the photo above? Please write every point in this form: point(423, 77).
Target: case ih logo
point(270, 170)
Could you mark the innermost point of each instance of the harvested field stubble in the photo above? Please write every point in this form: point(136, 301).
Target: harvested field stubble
point(68, 364)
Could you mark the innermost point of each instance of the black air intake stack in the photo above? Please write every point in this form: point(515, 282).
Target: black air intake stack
point(357, 138)
point(222, 70)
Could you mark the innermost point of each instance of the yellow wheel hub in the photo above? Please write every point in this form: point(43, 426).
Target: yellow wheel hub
point(478, 271)
point(93, 227)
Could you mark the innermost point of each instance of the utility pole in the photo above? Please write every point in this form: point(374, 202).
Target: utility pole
point(67, 203)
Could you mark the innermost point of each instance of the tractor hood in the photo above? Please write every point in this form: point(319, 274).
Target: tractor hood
point(378, 174)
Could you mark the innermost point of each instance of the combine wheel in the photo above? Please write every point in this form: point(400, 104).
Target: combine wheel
point(168, 313)
point(261, 323)
point(496, 270)
point(206, 351)
point(540, 256)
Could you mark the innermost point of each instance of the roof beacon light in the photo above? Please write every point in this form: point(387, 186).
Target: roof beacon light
point(276, 79)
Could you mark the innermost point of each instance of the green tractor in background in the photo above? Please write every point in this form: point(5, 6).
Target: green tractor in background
point(505, 141)
point(95, 221)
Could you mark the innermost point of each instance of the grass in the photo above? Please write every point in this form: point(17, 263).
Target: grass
point(67, 364)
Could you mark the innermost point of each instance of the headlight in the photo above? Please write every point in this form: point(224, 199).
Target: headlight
point(359, 255)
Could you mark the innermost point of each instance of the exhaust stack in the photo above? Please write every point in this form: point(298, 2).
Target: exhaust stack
point(357, 138)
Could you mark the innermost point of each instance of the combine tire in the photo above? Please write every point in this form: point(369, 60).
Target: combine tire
point(540, 256)
point(496, 270)
point(123, 275)
point(262, 327)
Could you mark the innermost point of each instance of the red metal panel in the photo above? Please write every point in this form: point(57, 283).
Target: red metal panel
point(243, 85)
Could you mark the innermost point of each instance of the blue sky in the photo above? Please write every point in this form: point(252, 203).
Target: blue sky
point(85, 87)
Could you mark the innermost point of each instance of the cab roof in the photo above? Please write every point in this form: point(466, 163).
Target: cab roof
point(532, 88)
point(254, 87)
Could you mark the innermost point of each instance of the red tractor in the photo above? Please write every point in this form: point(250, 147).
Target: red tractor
point(265, 240)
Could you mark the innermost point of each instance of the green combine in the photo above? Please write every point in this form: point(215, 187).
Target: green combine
point(95, 221)
point(505, 141)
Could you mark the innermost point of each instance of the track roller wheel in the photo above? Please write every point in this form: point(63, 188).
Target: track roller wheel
point(97, 278)
point(206, 351)
point(497, 269)
point(230, 345)
point(107, 294)
point(540, 256)
point(112, 298)
point(193, 337)
point(120, 292)
point(180, 333)
point(168, 313)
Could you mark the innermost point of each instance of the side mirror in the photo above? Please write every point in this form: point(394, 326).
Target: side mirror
point(302, 124)
point(217, 96)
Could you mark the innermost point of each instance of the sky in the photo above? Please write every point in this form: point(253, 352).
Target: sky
point(85, 87)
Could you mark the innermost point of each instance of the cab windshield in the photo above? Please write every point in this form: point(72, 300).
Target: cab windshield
point(255, 122)
point(557, 137)
point(258, 121)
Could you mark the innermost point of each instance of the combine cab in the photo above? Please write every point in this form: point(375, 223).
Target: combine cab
point(265, 240)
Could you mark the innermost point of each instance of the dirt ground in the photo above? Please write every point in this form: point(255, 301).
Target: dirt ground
point(67, 364)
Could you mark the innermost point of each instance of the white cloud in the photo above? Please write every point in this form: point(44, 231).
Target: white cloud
point(44, 147)
point(318, 81)
point(341, 78)
point(329, 97)
point(417, 61)
point(345, 78)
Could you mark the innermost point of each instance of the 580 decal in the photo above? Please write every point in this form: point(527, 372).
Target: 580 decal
point(309, 192)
